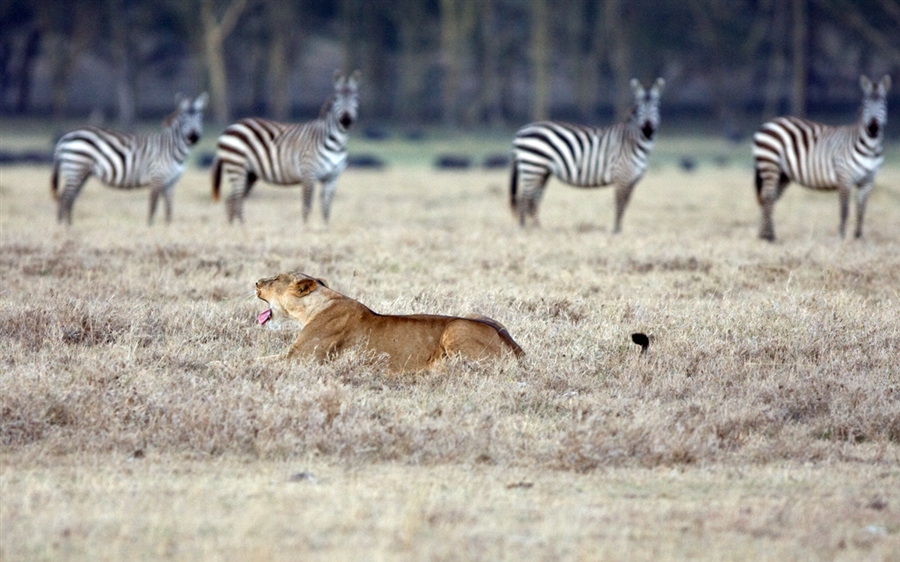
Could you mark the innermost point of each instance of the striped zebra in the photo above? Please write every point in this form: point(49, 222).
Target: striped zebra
point(821, 157)
point(585, 156)
point(127, 161)
point(289, 154)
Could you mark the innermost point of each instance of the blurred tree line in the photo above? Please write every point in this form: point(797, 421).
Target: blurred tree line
point(464, 63)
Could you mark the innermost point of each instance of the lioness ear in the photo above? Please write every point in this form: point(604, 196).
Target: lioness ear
point(303, 287)
point(322, 282)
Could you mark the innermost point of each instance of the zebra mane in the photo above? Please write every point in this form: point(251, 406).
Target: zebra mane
point(326, 107)
point(170, 118)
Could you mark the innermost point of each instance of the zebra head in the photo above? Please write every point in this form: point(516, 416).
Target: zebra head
point(873, 113)
point(187, 121)
point(345, 101)
point(646, 107)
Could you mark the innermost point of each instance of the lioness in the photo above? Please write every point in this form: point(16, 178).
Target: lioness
point(332, 323)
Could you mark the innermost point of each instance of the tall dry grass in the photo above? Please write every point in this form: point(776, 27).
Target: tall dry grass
point(125, 340)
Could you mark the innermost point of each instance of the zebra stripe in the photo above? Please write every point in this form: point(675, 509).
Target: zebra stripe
point(585, 156)
point(822, 157)
point(287, 153)
point(127, 161)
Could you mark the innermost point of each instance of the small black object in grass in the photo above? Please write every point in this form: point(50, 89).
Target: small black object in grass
point(205, 159)
point(494, 161)
point(302, 477)
point(642, 340)
point(453, 162)
point(369, 161)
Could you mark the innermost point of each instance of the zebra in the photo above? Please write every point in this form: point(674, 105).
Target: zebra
point(288, 154)
point(585, 156)
point(127, 161)
point(822, 157)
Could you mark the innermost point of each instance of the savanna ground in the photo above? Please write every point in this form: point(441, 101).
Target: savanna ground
point(762, 424)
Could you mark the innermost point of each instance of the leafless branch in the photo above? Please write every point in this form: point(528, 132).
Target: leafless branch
point(846, 13)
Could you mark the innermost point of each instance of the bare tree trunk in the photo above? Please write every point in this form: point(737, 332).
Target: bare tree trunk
point(215, 31)
point(798, 52)
point(540, 54)
point(620, 56)
point(363, 29)
point(22, 74)
point(488, 104)
point(412, 20)
point(69, 36)
point(124, 57)
point(450, 39)
point(778, 64)
point(283, 16)
point(457, 21)
point(587, 69)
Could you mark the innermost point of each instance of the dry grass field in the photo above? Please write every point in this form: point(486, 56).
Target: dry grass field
point(762, 424)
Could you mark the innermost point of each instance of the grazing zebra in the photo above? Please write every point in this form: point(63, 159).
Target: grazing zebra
point(127, 161)
point(288, 154)
point(821, 157)
point(585, 156)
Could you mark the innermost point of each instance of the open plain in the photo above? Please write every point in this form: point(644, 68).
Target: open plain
point(763, 423)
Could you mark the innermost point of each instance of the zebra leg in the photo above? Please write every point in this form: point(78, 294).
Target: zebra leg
point(167, 199)
point(308, 187)
point(328, 189)
point(623, 195)
point(844, 197)
point(861, 198)
point(530, 197)
point(239, 178)
point(67, 198)
point(771, 190)
point(154, 199)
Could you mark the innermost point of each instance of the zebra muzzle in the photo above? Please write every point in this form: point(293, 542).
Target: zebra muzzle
point(873, 128)
point(346, 120)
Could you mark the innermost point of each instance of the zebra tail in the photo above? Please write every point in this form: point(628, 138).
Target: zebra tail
point(217, 179)
point(759, 183)
point(514, 185)
point(54, 181)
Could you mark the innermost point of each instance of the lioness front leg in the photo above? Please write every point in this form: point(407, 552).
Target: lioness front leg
point(308, 348)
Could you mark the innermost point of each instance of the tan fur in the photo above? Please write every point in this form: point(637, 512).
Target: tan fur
point(333, 323)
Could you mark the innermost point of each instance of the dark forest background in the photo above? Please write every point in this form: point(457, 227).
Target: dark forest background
point(455, 63)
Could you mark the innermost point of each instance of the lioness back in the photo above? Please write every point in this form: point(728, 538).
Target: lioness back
point(332, 322)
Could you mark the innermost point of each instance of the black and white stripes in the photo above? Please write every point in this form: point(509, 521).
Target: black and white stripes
point(821, 157)
point(127, 161)
point(585, 156)
point(288, 154)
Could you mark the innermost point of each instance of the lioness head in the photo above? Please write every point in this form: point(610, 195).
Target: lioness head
point(288, 296)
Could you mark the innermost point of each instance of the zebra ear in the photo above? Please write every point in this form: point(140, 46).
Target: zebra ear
point(353, 82)
point(636, 87)
point(884, 85)
point(339, 79)
point(657, 87)
point(182, 102)
point(865, 84)
point(200, 102)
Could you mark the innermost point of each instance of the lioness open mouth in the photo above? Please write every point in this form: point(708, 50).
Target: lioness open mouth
point(264, 316)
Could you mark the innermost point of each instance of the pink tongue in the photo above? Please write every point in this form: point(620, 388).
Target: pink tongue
point(264, 316)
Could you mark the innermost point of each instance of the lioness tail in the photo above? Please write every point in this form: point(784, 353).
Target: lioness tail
point(501, 329)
